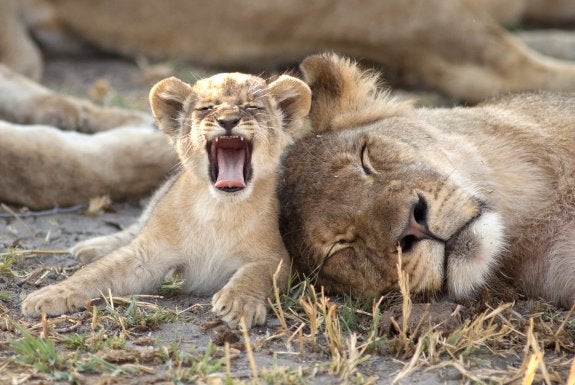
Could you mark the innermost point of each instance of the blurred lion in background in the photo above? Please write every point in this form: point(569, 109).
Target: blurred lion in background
point(456, 46)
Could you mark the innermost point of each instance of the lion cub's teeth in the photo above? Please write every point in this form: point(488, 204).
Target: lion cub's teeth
point(230, 137)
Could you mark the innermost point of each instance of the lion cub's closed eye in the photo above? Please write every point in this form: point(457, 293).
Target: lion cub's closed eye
point(217, 219)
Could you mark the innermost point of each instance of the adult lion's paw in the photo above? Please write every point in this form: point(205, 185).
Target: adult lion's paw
point(58, 111)
point(231, 305)
point(54, 300)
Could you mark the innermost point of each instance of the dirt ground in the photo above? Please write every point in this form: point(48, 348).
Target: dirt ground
point(175, 339)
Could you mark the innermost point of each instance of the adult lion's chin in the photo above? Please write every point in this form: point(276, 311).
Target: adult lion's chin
point(473, 254)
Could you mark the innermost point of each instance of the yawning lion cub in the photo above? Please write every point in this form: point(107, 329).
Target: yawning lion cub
point(216, 221)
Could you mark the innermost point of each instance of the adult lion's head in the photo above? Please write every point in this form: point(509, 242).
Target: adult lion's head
point(374, 180)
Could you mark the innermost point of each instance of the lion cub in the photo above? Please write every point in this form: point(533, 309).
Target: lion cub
point(216, 221)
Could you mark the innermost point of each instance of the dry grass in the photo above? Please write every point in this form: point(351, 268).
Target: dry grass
point(532, 341)
point(497, 332)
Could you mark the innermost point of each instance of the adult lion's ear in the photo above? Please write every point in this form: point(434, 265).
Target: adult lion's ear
point(345, 96)
point(323, 74)
point(167, 99)
point(294, 99)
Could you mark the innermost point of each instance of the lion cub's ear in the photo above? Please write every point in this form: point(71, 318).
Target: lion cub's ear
point(167, 99)
point(294, 99)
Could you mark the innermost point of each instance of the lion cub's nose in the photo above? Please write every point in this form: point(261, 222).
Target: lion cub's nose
point(228, 123)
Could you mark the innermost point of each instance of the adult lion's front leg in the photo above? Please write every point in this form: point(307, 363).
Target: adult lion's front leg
point(17, 49)
point(42, 166)
point(24, 101)
point(452, 45)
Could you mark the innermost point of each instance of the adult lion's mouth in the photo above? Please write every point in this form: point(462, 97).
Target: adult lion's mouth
point(230, 162)
point(472, 253)
point(452, 243)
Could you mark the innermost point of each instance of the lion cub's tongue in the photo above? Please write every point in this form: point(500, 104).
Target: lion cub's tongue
point(230, 167)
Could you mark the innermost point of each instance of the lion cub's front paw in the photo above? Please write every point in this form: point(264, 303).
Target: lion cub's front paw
point(230, 305)
point(54, 300)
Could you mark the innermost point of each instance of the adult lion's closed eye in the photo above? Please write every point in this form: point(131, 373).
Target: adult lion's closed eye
point(469, 194)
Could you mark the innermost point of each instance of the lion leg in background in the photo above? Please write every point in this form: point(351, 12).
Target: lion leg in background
point(512, 67)
point(17, 49)
point(26, 102)
point(22, 19)
point(511, 13)
point(557, 43)
point(460, 49)
point(490, 62)
point(43, 167)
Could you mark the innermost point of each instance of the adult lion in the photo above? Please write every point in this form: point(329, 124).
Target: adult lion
point(464, 194)
point(456, 46)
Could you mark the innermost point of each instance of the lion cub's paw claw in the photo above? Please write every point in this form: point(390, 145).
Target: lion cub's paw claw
point(231, 306)
point(53, 300)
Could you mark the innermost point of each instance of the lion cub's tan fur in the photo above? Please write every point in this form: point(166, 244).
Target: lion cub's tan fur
point(221, 236)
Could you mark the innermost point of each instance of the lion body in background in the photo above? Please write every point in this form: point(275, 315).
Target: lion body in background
point(456, 46)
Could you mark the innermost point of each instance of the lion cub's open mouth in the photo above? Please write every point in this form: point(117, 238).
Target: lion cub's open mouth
point(230, 162)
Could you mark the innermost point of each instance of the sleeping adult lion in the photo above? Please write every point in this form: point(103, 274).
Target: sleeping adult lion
point(469, 194)
point(456, 46)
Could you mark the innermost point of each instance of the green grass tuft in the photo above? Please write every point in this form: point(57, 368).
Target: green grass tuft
point(36, 351)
